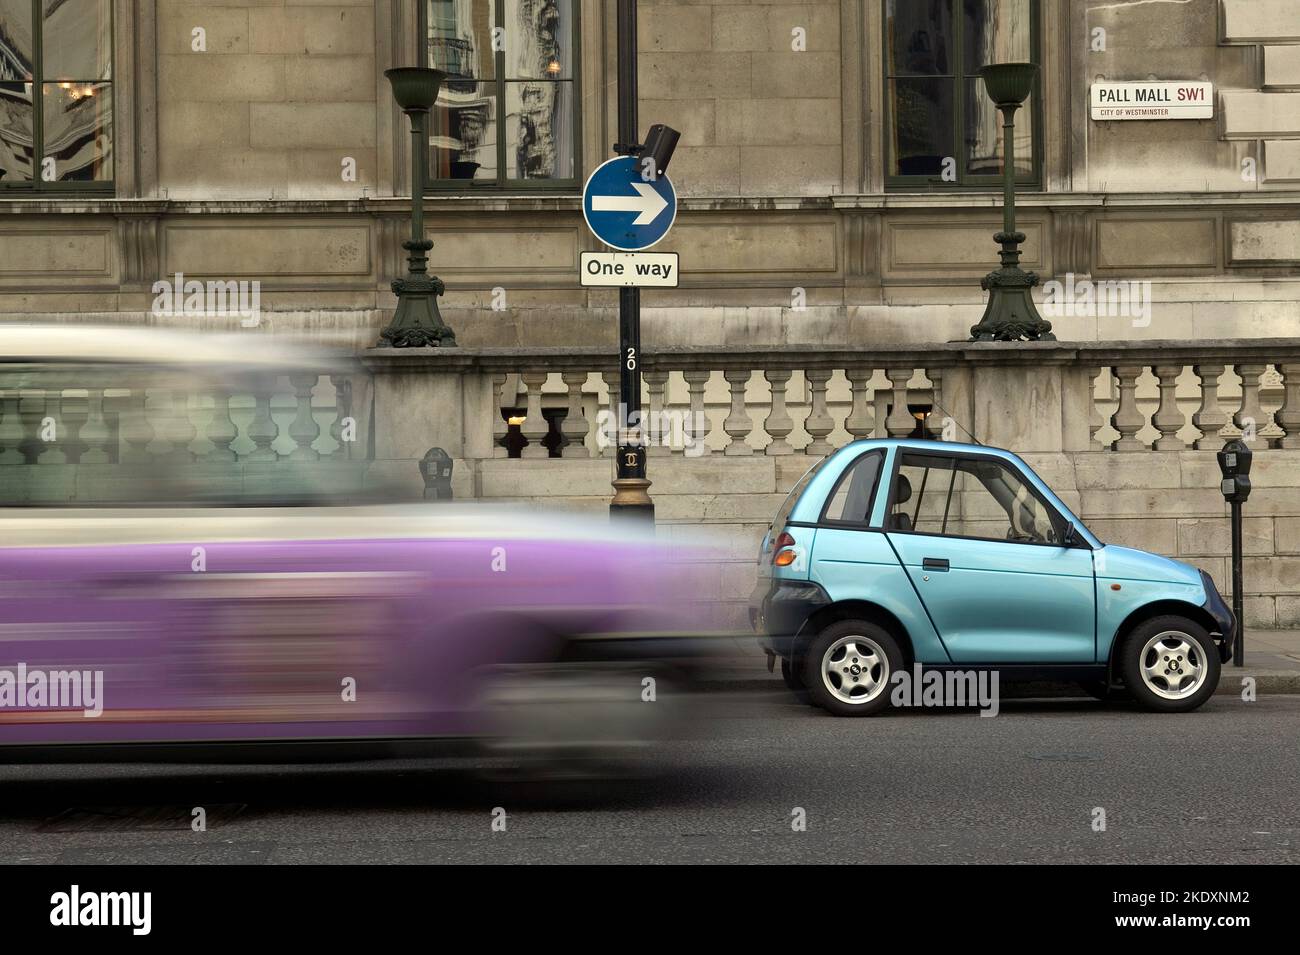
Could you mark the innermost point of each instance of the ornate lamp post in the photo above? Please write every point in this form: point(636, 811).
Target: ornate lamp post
point(417, 322)
point(1011, 315)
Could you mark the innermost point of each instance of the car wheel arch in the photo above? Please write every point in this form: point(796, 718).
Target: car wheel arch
point(1157, 608)
point(854, 610)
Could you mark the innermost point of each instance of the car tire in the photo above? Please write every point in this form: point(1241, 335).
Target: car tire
point(1170, 664)
point(830, 661)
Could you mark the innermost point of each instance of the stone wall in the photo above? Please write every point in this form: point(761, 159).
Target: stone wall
point(268, 100)
point(755, 89)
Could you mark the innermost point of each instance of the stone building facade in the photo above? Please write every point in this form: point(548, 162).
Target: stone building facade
point(257, 139)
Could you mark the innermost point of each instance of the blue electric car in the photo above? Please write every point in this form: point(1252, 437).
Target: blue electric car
point(890, 553)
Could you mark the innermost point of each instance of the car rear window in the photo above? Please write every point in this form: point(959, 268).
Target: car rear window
point(850, 502)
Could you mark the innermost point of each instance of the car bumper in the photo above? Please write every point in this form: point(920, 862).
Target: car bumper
point(1225, 621)
point(778, 610)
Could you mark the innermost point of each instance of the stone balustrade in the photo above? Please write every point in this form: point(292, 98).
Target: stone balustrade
point(776, 401)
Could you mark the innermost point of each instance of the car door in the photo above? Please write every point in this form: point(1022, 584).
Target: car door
point(985, 553)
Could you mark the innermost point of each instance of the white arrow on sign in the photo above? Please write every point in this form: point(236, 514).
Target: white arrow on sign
point(648, 204)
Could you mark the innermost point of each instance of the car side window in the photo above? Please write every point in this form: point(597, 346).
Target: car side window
point(970, 497)
point(850, 502)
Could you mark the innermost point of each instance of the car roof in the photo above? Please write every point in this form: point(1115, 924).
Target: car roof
point(49, 342)
point(927, 444)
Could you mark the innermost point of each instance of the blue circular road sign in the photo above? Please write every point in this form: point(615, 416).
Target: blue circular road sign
point(625, 210)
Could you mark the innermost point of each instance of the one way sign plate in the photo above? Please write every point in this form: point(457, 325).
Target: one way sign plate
point(625, 210)
point(642, 269)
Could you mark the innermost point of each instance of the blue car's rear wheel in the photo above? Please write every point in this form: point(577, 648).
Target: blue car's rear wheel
point(847, 667)
point(1170, 664)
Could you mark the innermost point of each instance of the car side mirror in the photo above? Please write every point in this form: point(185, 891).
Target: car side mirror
point(1069, 538)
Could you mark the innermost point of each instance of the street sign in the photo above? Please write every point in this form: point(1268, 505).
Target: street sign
point(640, 269)
point(1185, 99)
point(625, 210)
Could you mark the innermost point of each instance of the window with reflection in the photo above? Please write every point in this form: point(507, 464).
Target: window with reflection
point(56, 95)
point(942, 129)
point(507, 113)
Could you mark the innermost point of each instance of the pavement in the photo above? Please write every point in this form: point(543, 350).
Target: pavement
point(1272, 660)
point(762, 779)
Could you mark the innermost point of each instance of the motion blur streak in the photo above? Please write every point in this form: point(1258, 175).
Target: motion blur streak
point(539, 634)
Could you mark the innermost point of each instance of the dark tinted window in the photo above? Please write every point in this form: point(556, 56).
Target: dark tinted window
point(850, 502)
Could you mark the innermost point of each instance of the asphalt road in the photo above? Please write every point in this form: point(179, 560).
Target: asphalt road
point(1218, 785)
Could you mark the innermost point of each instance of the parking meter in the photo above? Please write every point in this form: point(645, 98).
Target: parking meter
point(1234, 465)
point(435, 468)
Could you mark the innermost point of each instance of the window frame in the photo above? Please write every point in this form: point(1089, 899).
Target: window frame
point(37, 185)
point(823, 518)
point(503, 183)
point(964, 182)
point(1060, 519)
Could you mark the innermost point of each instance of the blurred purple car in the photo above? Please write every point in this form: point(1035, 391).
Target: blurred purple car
point(143, 629)
point(347, 624)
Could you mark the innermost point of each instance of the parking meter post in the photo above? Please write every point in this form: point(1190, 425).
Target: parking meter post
point(1234, 466)
point(1238, 609)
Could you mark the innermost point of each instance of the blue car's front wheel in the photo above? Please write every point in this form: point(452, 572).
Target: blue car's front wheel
point(847, 667)
point(1170, 664)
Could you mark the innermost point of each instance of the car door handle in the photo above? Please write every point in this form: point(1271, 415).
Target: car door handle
point(934, 563)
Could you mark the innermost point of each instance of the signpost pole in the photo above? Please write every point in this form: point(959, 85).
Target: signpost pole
point(631, 488)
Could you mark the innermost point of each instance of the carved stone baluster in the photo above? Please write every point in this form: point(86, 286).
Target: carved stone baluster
point(779, 424)
point(1209, 418)
point(304, 428)
point(342, 430)
point(1168, 420)
point(221, 430)
point(1288, 416)
point(52, 431)
point(1128, 420)
point(900, 422)
point(1251, 417)
point(819, 422)
point(698, 426)
point(263, 430)
point(860, 421)
point(134, 427)
point(936, 401)
point(737, 424)
point(610, 434)
point(94, 433)
point(574, 426)
point(535, 427)
point(500, 427)
point(1095, 420)
point(11, 429)
point(655, 426)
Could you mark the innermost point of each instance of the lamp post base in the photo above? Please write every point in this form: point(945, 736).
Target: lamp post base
point(1011, 315)
point(417, 322)
point(631, 501)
